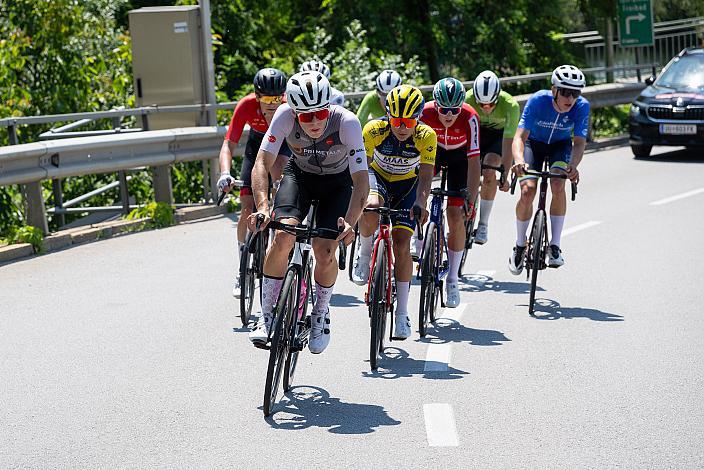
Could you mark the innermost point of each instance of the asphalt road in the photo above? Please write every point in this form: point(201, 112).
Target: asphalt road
point(129, 352)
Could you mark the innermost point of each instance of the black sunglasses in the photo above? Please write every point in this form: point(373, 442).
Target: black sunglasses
point(566, 92)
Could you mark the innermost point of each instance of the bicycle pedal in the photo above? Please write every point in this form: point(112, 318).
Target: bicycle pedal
point(266, 346)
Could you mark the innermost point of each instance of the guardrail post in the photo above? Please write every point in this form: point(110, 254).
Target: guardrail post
point(124, 192)
point(35, 210)
point(214, 176)
point(12, 134)
point(57, 190)
point(161, 179)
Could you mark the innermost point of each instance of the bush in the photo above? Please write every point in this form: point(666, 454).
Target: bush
point(610, 121)
point(27, 234)
point(160, 214)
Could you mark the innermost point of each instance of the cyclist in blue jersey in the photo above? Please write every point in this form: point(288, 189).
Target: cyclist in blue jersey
point(545, 131)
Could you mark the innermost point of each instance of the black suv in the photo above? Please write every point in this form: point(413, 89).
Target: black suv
point(671, 110)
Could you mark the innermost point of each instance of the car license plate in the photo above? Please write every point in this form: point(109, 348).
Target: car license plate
point(678, 129)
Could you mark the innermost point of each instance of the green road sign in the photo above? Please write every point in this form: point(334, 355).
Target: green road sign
point(635, 22)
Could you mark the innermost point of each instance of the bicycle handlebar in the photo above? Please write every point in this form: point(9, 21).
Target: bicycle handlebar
point(544, 174)
point(387, 211)
point(235, 184)
point(305, 232)
point(500, 169)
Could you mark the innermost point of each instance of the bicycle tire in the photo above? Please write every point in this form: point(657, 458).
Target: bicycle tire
point(353, 247)
point(292, 358)
point(248, 262)
point(377, 307)
point(537, 255)
point(468, 240)
point(428, 279)
point(280, 340)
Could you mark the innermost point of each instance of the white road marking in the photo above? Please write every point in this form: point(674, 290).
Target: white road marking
point(437, 358)
point(677, 197)
point(579, 227)
point(440, 425)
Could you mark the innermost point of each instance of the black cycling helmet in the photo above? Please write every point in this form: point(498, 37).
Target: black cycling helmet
point(270, 82)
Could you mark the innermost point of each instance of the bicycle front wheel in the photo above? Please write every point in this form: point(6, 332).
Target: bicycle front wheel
point(284, 313)
point(469, 238)
point(537, 255)
point(377, 306)
point(248, 277)
point(428, 291)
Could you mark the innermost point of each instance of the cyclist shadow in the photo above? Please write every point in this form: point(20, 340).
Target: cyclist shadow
point(306, 406)
point(395, 363)
point(548, 309)
point(483, 283)
point(344, 300)
point(447, 330)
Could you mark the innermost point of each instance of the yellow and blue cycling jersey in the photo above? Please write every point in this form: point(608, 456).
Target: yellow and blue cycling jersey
point(395, 160)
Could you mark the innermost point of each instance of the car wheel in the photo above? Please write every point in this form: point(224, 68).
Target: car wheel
point(641, 151)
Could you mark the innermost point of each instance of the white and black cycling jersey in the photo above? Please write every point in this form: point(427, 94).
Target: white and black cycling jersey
point(339, 147)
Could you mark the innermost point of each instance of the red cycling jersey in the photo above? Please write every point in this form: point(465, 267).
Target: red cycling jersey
point(247, 111)
point(464, 132)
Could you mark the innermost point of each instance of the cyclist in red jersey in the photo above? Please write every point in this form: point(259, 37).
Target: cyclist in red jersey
point(256, 109)
point(457, 127)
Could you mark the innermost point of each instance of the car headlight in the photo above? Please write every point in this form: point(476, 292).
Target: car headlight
point(635, 110)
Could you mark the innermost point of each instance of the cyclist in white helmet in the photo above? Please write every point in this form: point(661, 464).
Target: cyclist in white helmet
point(374, 102)
point(498, 115)
point(553, 126)
point(328, 163)
point(336, 96)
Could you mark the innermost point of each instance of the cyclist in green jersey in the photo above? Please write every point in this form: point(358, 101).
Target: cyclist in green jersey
point(498, 117)
point(374, 102)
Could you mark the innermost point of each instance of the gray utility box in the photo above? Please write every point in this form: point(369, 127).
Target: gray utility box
point(167, 62)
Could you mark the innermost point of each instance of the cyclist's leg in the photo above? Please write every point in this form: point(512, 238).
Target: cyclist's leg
point(491, 143)
point(333, 194)
point(533, 156)
point(402, 196)
point(246, 199)
point(456, 181)
point(368, 223)
point(561, 153)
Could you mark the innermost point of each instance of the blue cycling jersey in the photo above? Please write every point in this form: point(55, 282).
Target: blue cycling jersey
point(547, 125)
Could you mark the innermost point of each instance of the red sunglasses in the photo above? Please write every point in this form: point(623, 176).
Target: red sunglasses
point(320, 115)
point(453, 111)
point(408, 122)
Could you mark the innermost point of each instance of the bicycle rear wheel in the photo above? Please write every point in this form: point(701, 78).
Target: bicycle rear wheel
point(377, 306)
point(428, 291)
point(284, 313)
point(248, 265)
point(537, 255)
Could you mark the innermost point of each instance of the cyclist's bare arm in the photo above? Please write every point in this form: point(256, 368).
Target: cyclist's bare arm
point(578, 146)
point(358, 200)
point(260, 180)
point(425, 178)
point(474, 173)
point(519, 144)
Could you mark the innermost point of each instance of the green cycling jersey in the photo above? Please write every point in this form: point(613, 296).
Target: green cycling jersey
point(505, 116)
point(370, 105)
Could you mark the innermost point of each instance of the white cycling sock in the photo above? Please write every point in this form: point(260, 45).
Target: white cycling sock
point(365, 246)
point(271, 287)
point(402, 289)
point(485, 210)
point(455, 257)
point(556, 224)
point(521, 229)
point(322, 298)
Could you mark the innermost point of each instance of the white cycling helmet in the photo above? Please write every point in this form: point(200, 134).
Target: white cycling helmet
point(486, 87)
point(315, 66)
point(387, 81)
point(568, 76)
point(308, 91)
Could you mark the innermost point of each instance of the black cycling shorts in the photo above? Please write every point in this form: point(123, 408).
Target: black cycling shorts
point(298, 188)
point(558, 155)
point(456, 163)
point(491, 141)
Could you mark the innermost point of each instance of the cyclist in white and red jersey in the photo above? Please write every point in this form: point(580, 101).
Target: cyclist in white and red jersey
point(457, 127)
point(256, 109)
point(328, 164)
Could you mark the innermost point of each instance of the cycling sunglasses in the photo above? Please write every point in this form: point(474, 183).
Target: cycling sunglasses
point(271, 99)
point(408, 122)
point(453, 111)
point(320, 115)
point(566, 92)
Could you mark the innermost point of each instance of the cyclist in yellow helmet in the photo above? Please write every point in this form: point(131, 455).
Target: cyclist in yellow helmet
point(401, 153)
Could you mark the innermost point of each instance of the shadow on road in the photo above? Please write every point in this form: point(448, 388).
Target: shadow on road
point(395, 363)
point(447, 330)
point(482, 283)
point(675, 156)
point(344, 300)
point(548, 309)
point(305, 406)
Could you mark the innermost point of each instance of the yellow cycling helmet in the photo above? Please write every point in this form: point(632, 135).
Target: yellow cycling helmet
point(404, 101)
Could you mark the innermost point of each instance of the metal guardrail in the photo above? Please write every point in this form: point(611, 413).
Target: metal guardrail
point(29, 164)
